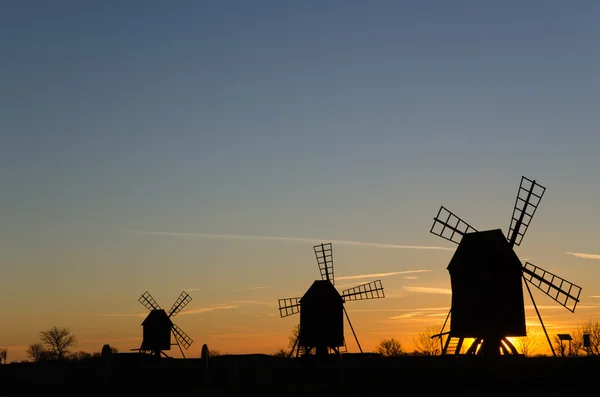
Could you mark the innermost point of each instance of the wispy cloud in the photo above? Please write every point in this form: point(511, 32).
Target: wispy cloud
point(196, 310)
point(421, 309)
point(585, 256)
point(377, 275)
point(411, 277)
point(124, 314)
point(405, 315)
point(241, 335)
point(591, 296)
point(255, 303)
point(233, 290)
point(291, 240)
point(429, 290)
point(201, 310)
point(417, 314)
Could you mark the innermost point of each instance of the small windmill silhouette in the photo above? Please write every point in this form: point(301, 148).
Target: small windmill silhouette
point(322, 309)
point(158, 326)
point(487, 280)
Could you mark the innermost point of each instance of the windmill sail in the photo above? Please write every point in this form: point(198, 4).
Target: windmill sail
point(289, 306)
point(183, 339)
point(324, 255)
point(147, 300)
point(449, 226)
point(372, 290)
point(562, 291)
point(180, 303)
point(528, 199)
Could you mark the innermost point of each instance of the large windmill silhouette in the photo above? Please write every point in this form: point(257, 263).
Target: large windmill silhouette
point(487, 280)
point(322, 309)
point(158, 326)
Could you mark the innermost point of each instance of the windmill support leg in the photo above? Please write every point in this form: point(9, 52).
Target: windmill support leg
point(459, 346)
point(178, 345)
point(293, 347)
point(539, 317)
point(445, 346)
point(511, 347)
point(473, 348)
point(352, 328)
point(443, 327)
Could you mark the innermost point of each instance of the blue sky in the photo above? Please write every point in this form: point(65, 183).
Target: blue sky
point(326, 120)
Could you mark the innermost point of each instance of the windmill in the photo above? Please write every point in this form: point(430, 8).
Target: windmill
point(322, 309)
point(158, 326)
point(486, 279)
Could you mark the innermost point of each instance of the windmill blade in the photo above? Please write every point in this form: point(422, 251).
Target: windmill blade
point(324, 254)
point(183, 339)
point(528, 199)
point(180, 303)
point(449, 226)
point(147, 300)
point(289, 306)
point(562, 291)
point(372, 290)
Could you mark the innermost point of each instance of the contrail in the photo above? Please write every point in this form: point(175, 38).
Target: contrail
point(429, 290)
point(374, 275)
point(293, 240)
point(582, 255)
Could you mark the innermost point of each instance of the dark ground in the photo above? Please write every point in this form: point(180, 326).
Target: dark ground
point(350, 375)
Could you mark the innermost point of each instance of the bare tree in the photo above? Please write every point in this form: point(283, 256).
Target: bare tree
point(591, 328)
point(565, 348)
point(80, 355)
point(527, 345)
point(294, 337)
point(214, 353)
point(37, 352)
point(3, 355)
point(58, 340)
point(390, 348)
point(426, 345)
point(280, 353)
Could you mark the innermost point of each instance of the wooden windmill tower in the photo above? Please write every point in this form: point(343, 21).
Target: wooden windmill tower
point(158, 326)
point(322, 309)
point(487, 280)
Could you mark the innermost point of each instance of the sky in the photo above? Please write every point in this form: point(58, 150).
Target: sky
point(206, 146)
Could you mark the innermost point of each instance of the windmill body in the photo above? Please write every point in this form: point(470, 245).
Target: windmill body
point(484, 266)
point(487, 279)
point(321, 317)
point(158, 326)
point(157, 331)
point(322, 309)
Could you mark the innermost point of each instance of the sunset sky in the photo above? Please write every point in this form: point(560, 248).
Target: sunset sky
point(207, 146)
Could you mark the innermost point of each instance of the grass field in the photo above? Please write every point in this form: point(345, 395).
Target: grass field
point(348, 375)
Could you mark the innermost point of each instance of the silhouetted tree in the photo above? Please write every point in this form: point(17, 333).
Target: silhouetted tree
point(3, 355)
point(294, 337)
point(280, 353)
point(592, 328)
point(527, 345)
point(79, 356)
point(58, 340)
point(564, 348)
point(426, 345)
point(213, 353)
point(390, 348)
point(37, 352)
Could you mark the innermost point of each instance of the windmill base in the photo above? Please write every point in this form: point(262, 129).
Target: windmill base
point(154, 353)
point(482, 347)
point(299, 351)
